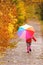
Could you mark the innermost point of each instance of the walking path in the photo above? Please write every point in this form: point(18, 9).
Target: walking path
point(18, 56)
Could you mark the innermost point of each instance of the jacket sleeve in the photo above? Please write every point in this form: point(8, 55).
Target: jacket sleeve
point(34, 39)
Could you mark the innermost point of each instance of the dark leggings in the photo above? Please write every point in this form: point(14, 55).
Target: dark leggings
point(28, 44)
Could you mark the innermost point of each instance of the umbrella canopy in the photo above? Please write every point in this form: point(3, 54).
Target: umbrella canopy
point(26, 31)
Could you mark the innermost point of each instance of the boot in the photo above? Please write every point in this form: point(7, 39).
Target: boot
point(29, 48)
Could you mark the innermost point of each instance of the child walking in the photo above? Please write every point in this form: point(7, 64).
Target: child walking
point(28, 42)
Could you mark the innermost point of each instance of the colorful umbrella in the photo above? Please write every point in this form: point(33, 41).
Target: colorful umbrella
point(26, 31)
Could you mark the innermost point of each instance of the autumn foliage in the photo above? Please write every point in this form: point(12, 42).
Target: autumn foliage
point(13, 13)
point(8, 19)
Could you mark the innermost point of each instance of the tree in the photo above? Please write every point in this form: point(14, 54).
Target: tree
point(8, 19)
point(41, 12)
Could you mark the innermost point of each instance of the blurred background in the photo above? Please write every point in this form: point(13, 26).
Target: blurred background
point(14, 13)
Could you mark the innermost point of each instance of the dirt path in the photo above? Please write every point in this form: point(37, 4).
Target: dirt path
point(18, 56)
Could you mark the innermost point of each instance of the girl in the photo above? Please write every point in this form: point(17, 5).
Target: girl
point(28, 41)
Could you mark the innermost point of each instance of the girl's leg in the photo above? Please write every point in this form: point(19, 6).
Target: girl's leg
point(27, 48)
point(30, 47)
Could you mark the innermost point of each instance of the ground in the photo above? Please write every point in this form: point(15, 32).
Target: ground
point(18, 55)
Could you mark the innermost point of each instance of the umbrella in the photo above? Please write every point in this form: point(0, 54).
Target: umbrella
point(26, 31)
